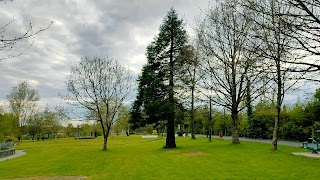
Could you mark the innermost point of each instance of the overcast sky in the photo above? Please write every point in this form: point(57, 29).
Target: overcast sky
point(119, 29)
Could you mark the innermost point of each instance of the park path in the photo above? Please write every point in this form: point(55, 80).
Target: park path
point(17, 154)
point(267, 141)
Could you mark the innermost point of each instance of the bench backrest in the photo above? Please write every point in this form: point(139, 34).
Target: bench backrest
point(6, 145)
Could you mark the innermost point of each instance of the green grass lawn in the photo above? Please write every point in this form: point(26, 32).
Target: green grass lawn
point(136, 158)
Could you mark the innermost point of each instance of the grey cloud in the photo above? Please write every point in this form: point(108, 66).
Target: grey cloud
point(119, 29)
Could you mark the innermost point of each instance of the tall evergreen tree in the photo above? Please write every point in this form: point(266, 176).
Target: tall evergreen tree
point(155, 100)
point(151, 105)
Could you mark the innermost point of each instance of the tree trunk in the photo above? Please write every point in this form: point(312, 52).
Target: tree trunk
point(276, 128)
point(210, 120)
point(105, 138)
point(312, 133)
point(275, 135)
point(278, 107)
point(248, 96)
point(20, 135)
point(104, 142)
point(235, 129)
point(192, 114)
point(105, 135)
point(171, 139)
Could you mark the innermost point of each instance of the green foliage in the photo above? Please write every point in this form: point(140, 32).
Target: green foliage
point(9, 126)
point(297, 123)
point(122, 123)
point(243, 125)
point(312, 111)
point(293, 124)
point(85, 130)
point(201, 116)
point(222, 121)
point(22, 100)
point(70, 130)
point(262, 121)
point(144, 130)
point(36, 126)
point(153, 104)
point(300, 121)
point(317, 94)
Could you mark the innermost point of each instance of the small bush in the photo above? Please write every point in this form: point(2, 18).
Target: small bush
point(10, 138)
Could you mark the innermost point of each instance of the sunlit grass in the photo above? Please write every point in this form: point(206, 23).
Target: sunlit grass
point(136, 158)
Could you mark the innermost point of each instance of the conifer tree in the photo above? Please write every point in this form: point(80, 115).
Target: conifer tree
point(155, 100)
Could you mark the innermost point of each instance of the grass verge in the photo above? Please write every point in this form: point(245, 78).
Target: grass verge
point(136, 158)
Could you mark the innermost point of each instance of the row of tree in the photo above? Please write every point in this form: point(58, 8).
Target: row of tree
point(243, 50)
point(24, 119)
point(297, 123)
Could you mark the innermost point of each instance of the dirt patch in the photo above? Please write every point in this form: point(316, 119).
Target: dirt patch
point(55, 178)
point(195, 153)
point(173, 151)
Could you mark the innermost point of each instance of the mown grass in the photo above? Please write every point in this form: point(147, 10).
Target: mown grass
point(136, 158)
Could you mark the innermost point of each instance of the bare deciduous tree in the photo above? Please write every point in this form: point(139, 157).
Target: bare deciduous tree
point(188, 65)
point(227, 63)
point(301, 23)
point(303, 26)
point(99, 85)
point(7, 42)
point(276, 47)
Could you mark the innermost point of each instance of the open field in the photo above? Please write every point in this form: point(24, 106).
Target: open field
point(136, 158)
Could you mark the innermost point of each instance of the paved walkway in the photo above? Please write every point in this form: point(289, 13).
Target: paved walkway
point(267, 141)
point(17, 154)
point(307, 154)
